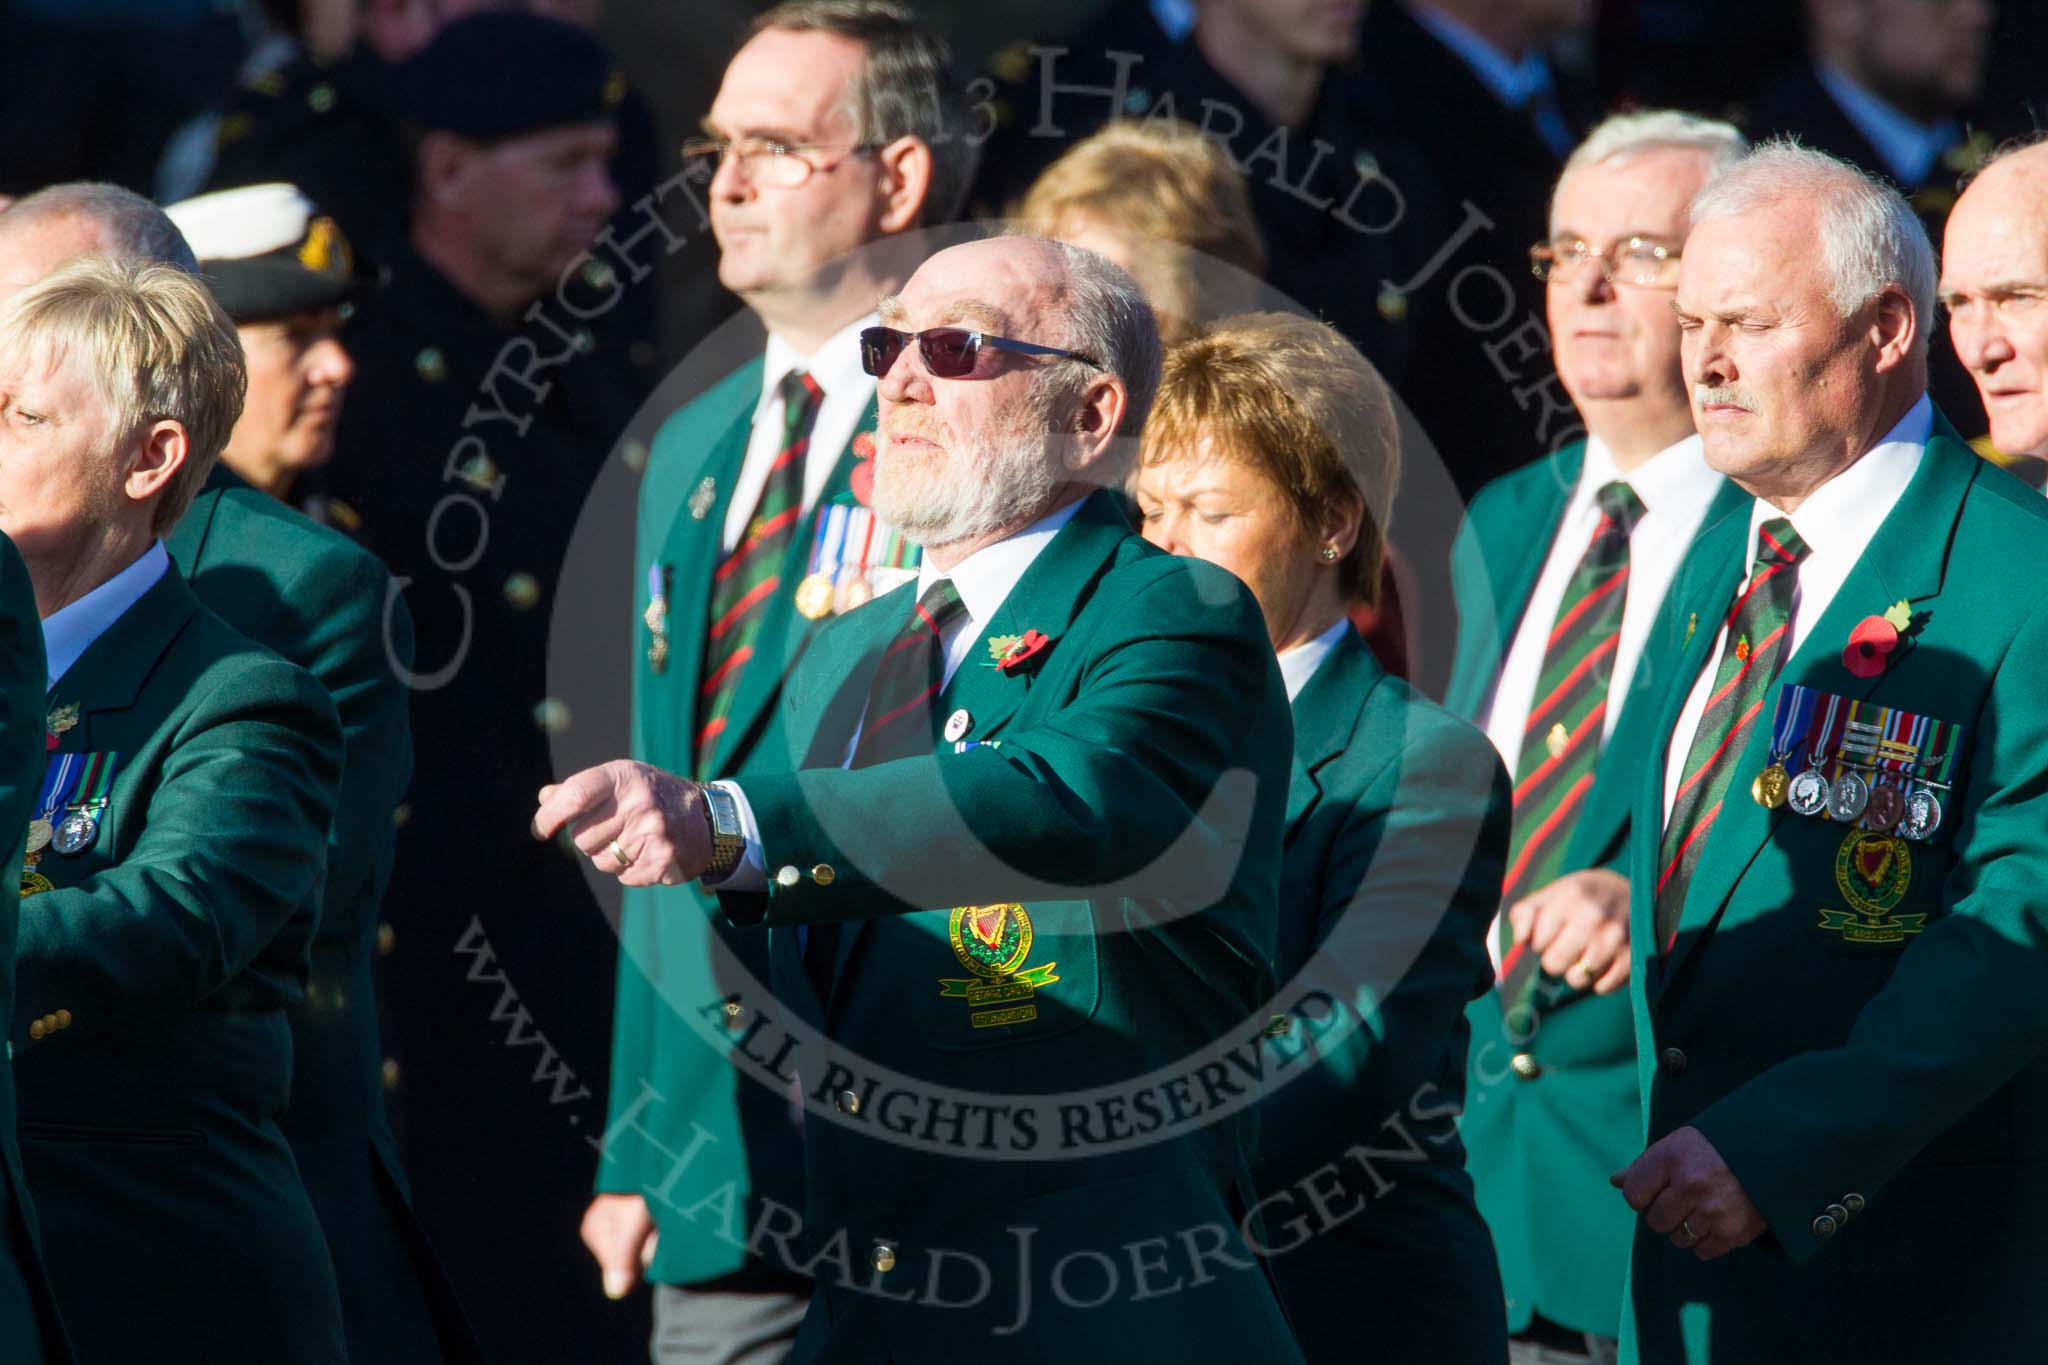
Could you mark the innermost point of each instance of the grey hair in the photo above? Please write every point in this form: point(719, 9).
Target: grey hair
point(1109, 320)
point(1869, 236)
point(908, 86)
point(130, 226)
point(1658, 130)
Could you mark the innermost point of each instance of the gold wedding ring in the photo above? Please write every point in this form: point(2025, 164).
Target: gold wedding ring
point(625, 858)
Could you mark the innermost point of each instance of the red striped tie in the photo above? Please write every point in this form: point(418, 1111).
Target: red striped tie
point(1758, 625)
point(750, 576)
point(898, 720)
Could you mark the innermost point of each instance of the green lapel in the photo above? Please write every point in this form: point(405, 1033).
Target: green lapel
point(1508, 538)
point(1047, 598)
point(785, 631)
point(690, 556)
point(110, 675)
point(1325, 714)
point(1609, 802)
point(1905, 559)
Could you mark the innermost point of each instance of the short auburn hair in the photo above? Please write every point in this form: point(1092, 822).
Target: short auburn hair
point(1289, 397)
point(1166, 186)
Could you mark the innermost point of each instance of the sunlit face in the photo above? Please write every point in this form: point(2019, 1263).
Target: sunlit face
point(1206, 504)
point(1778, 376)
point(796, 89)
point(538, 200)
point(61, 476)
point(1994, 281)
point(1613, 339)
point(959, 458)
point(31, 252)
point(298, 372)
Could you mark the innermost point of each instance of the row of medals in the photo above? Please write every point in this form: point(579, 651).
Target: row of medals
point(73, 835)
point(818, 596)
point(1913, 811)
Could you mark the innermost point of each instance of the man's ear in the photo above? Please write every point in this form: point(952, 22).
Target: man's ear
point(906, 183)
point(159, 453)
point(1096, 418)
point(1894, 328)
point(444, 162)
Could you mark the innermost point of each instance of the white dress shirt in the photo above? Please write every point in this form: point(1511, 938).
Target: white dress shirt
point(1299, 664)
point(70, 631)
point(1909, 148)
point(984, 581)
point(1836, 521)
point(847, 389)
point(1675, 486)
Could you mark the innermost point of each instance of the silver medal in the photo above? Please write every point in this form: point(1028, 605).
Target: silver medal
point(76, 834)
point(1809, 794)
point(1848, 797)
point(1923, 815)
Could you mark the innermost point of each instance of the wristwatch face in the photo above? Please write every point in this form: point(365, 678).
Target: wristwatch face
point(728, 841)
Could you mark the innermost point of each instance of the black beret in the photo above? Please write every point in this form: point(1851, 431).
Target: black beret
point(503, 73)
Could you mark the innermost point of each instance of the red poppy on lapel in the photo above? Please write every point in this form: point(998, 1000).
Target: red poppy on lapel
point(1023, 655)
point(1870, 646)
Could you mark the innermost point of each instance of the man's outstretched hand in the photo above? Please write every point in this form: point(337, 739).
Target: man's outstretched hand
point(636, 822)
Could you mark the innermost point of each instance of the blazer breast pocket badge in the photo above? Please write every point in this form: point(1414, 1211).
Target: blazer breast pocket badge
point(1883, 772)
point(994, 942)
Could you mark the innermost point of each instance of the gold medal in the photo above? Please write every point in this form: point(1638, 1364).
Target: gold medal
point(1771, 787)
point(855, 592)
point(40, 832)
point(814, 596)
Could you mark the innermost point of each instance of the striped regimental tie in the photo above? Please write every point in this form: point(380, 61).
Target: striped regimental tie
point(748, 578)
point(897, 724)
point(1567, 718)
point(1758, 624)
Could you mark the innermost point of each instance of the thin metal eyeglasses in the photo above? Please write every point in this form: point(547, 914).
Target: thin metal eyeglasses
point(948, 352)
point(1633, 260)
point(764, 160)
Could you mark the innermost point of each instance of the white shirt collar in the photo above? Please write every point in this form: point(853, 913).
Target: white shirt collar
point(1909, 148)
point(1839, 518)
point(1512, 83)
point(835, 365)
point(1677, 475)
point(1299, 664)
point(70, 631)
point(985, 578)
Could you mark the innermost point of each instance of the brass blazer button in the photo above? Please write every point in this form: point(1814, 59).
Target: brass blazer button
point(1675, 1062)
point(823, 874)
point(1526, 1066)
point(885, 1256)
point(1838, 1213)
point(1824, 1227)
point(1853, 1202)
point(847, 1102)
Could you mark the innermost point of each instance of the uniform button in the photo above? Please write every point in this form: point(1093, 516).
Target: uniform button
point(431, 365)
point(788, 876)
point(885, 1256)
point(63, 1018)
point(35, 1029)
point(847, 1102)
point(552, 715)
point(1853, 1202)
point(387, 939)
point(1674, 1061)
point(390, 1074)
point(1838, 1213)
point(320, 98)
point(1824, 1227)
point(400, 813)
point(522, 590)
point(823, 874)
point(1526, 1066)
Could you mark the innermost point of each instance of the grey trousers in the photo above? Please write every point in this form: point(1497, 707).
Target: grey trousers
point(1599, 1351)
point(699, 1327)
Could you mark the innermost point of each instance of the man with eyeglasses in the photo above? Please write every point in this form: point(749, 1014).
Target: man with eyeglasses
point(1020, 886)
point(838, 132)
point(1559, 574)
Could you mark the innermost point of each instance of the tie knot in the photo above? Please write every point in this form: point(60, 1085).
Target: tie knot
point(1778, 543)
point(799, 389)
point(939, 606)
point(1619, 504)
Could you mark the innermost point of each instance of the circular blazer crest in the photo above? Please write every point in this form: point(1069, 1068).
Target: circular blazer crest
point(1873, 871)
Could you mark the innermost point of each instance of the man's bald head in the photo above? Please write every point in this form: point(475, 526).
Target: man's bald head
point(40, 232)
point(1994, 282)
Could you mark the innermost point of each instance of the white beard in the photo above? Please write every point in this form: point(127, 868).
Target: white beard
point(979, 486)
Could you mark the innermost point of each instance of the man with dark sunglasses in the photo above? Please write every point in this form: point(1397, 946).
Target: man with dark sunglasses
point(839, 130)
point(1029, 857)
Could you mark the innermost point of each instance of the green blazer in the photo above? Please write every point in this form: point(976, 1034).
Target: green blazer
point(175, 1225)
point(1543, 1140)
point(321, 601)
point(1884, 1103)
point(1111, 845)
point(29, 1327)
point(678, 958)
point(1397, 833)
